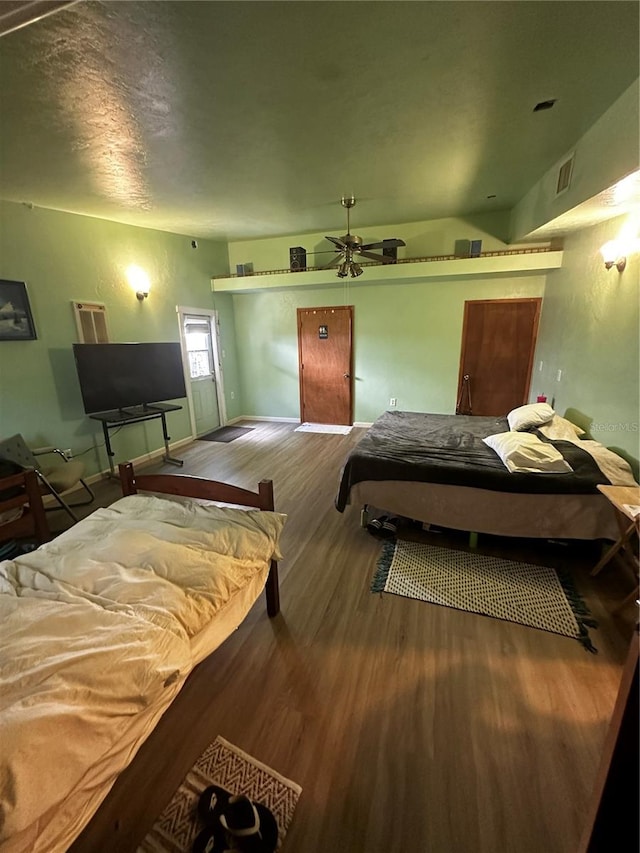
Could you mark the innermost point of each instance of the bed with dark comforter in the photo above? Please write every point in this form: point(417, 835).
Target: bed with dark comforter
point(437, 469)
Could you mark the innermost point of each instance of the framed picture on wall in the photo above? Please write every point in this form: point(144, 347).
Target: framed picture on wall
point(16, 320)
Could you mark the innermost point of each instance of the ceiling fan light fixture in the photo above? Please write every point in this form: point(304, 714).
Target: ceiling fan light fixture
point(350, 245)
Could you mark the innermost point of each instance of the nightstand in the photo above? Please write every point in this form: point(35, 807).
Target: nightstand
point(618, 496)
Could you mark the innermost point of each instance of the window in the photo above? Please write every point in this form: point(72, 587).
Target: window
point(197, 334)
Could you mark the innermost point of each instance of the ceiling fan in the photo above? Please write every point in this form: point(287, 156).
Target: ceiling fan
point(350, 246)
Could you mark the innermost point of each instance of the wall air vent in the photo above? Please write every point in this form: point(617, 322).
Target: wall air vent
point(91, 322)
point(564, 176)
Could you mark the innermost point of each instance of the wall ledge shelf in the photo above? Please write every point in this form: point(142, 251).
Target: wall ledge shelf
point(507, 263)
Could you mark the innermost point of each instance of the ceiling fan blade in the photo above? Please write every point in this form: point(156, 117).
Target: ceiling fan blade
point(380, 258)
point(339, 243)
point(384, 244)
point(339, 256)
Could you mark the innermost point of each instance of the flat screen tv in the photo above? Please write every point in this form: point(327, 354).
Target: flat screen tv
point(119, 376)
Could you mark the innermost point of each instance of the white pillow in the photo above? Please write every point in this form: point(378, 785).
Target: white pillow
point(525, 417)
point(561, 429)
point(523, 452)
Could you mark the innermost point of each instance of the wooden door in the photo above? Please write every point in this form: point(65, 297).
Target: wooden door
point(498, 344)
point(325, 358)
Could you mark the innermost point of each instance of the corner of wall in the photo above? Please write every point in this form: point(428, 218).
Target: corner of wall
point(606, 153)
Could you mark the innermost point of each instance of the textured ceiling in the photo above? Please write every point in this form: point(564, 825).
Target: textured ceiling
point(242, 119)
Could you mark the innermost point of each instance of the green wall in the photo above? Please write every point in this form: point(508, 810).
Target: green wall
point(64, 257)
point(406, 336)
point(589, 330)
point(406, 342)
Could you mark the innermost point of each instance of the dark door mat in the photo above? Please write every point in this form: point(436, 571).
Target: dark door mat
point(225, 434)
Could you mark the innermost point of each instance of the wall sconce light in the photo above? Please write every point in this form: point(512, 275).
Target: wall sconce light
point(612, 255)
point(139, 281)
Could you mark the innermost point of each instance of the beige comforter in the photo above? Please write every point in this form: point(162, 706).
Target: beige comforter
point(96, 627)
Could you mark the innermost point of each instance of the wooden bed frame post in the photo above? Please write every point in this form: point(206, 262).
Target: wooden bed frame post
point(32, 488)
point(272, 589)
point(126, 479)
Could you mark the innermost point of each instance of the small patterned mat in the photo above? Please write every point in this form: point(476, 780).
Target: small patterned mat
point(531, 595)
point(334, 428)
point(222, 764)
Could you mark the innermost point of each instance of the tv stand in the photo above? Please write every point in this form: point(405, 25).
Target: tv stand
point(135, 415)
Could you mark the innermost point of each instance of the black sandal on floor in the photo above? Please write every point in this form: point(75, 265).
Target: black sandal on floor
point(210, 840)
point(250, 827)
point(389, 528)
point(212, 800)
point(375, 526)
point(242, 824)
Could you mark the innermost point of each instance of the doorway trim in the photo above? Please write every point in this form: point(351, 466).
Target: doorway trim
point(183, 311)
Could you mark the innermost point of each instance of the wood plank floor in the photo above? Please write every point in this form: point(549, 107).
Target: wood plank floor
point(408, 726)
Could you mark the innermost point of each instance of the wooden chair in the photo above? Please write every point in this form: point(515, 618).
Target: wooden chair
point(22, 491)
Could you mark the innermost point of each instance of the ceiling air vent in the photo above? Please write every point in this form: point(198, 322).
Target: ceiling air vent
point(544, 105)
point(564, 176)
point(91, 322)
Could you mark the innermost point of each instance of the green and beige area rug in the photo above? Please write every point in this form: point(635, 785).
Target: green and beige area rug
point(537, 596)
point(222, 764)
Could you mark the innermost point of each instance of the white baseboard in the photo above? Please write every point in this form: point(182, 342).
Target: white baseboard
point(262, 418)
point(285, 420)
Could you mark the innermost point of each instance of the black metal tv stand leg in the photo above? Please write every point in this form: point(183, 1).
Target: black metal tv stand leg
point(110, 453)
point(167, 457)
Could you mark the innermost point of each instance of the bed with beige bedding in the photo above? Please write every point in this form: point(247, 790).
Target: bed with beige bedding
point(100, 629)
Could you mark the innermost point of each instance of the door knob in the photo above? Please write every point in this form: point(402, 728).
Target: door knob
point(347, 375)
